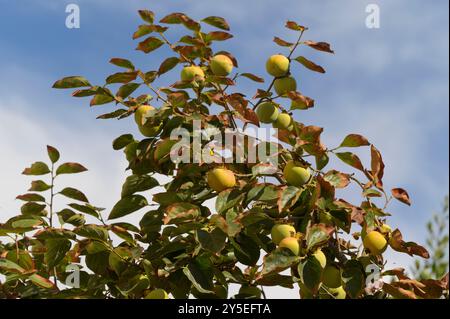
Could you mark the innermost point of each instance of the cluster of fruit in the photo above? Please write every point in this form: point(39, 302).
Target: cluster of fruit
point(220, 65)
point(268, 112)
point(286, 236)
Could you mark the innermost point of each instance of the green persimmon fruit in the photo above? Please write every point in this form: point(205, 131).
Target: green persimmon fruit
point(191, 73)
point(150, 131)
point(375, 243)
point(321, 258)
point(336, 293)
point(282, 231)
point(296, 175)
point(292, 244)
point(267, 112)
point(157, 294)
point(141, 114)
point(277, 65)
point(220, 179)
point(285, 85)
point(221, 65)
point(331, 277)
point(284, 121)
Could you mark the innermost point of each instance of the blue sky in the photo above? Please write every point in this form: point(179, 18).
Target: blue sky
point(389, 84)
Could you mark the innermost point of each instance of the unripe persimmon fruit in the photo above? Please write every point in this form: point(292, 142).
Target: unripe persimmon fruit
point(221, 65)
point(277, 65)
point(220, 179)
point(282, 231)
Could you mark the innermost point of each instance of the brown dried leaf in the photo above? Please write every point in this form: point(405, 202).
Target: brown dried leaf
point(310, 65)
point(401, 195)
point(320, 46)
point(282, 42)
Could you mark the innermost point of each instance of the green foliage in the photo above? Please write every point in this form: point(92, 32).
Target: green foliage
point(437, 243)
point(182, 246)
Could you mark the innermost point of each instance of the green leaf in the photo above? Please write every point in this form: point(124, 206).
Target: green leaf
point(41, 281)
point(278, 260)
point(147, 15)
point(246, 250)
point(353, 278)
point(217, 22)
point(70, 168)
point(123, 63)
point(322, 161)
point(10, 266)
point(121, 77)
point(147, 29)
point(25, 222)
point(263, 192)
point(264, 170)
point(228, 199)
point(150, 44)
point(122, 141)
point(181, 212)
point(87, 209)
point(337, 179)
point(117, 259)
point(53, 153)
point(101, 99)
point(213, 242)
point(56, 250)
point(120, 113)
point(201, 281)
point(351, 159)
point(127, 89)
point(316, 236)
point(67, 216)
point(74, 194)
point(31, 198)
point(310, 272)
point(128, 205)
point(142, 30)
point(22, 258)
point(181, 18)
point(168, 65)
point(85, 92)
point(138, 183)
point(71, 82)
point(92, 232)
point(288, 197)
point(37, 168)
point(371, 193)
point(39, 186)
point(32, 208)
point(354, 140)
point(98, 263)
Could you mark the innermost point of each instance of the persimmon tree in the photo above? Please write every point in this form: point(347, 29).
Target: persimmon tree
point(279, 225)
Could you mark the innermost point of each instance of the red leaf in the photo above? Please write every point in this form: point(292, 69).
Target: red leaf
point(401, 195)
point(320, 46)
